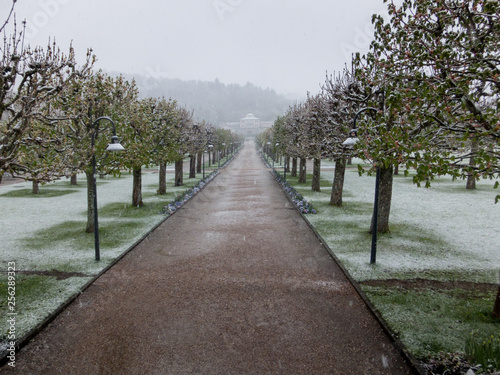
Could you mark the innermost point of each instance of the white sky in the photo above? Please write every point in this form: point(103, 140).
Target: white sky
point(287, 45)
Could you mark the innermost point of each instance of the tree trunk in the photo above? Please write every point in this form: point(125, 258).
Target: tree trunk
point(179, 173)
point(137, 189)
point(294, 167)
point(303, 170)
point(90, 202)
point(36, 187)
point(73, 180)
point(162, 175)
point(209, 158)
point(471, 176)
point(200, 162)
point(384, 199)
point(1, 176)
point(192, 166)
point(396, 170)
point(287, 163)
point(496, 307)
point(316, 181)
point(338, 182)
point(471, 182)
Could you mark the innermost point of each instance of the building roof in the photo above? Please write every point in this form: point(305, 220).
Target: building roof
point(250, 116)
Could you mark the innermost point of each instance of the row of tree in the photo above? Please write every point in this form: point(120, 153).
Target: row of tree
point(426, 98)
point(57, 116)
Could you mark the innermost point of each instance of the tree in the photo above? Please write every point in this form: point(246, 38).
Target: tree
point(165, 137)
point(438, 62)
point(43, 154)
point(295, 141)
point(442, 62)
point(81, 104)
point(317, 123)
point(184, 124)
point(343, 97)
point(139, 140)
point(29, 78)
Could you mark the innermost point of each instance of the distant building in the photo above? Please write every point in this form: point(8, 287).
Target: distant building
point(249, 126)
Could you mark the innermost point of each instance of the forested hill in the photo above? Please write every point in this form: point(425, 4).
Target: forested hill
point(214, 101)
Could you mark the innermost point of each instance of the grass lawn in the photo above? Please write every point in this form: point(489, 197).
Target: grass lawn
point(436, 275)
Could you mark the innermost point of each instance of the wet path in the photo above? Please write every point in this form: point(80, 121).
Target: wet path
point(233, 283)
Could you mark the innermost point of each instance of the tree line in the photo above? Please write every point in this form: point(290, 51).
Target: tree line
point(50, 112)
point(426, 97)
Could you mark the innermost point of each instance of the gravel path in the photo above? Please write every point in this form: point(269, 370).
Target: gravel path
point(234, 283)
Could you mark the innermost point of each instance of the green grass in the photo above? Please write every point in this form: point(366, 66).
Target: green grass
point(72, 234)
point(434, 321)
point(484, 349)
point(45, 290)
point(44, 193)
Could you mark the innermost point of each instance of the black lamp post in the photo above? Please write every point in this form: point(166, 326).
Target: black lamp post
point(349, 142)
point(209, 150)
point(284, 168)
point(113, 146)
point(275, 153)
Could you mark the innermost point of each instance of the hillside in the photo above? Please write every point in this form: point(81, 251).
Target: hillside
point(214, 101)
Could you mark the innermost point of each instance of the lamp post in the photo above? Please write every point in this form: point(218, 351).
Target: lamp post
point(349, 142)
point(275, 153)
point(113, 146)
point(284, 167)
point(209, 150)
point(203, 162)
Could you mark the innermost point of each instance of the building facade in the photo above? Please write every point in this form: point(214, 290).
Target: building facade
point(248, 126)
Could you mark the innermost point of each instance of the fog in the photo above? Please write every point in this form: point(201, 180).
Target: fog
point(286, 45)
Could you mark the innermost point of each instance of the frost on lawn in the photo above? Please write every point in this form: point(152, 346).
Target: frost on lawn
point(443, 229)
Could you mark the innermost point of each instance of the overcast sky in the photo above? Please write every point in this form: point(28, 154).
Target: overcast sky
point(286, 45)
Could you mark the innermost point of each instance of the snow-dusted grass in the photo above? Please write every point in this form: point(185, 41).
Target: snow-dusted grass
point(433, 231)
point(443, 233)
point(46, 232)
point(433, 321)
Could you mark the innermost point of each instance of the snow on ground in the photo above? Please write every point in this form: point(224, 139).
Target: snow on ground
point(443, 228)
point(24, 218)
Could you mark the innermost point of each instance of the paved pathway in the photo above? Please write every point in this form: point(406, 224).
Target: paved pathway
point(233, 283)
